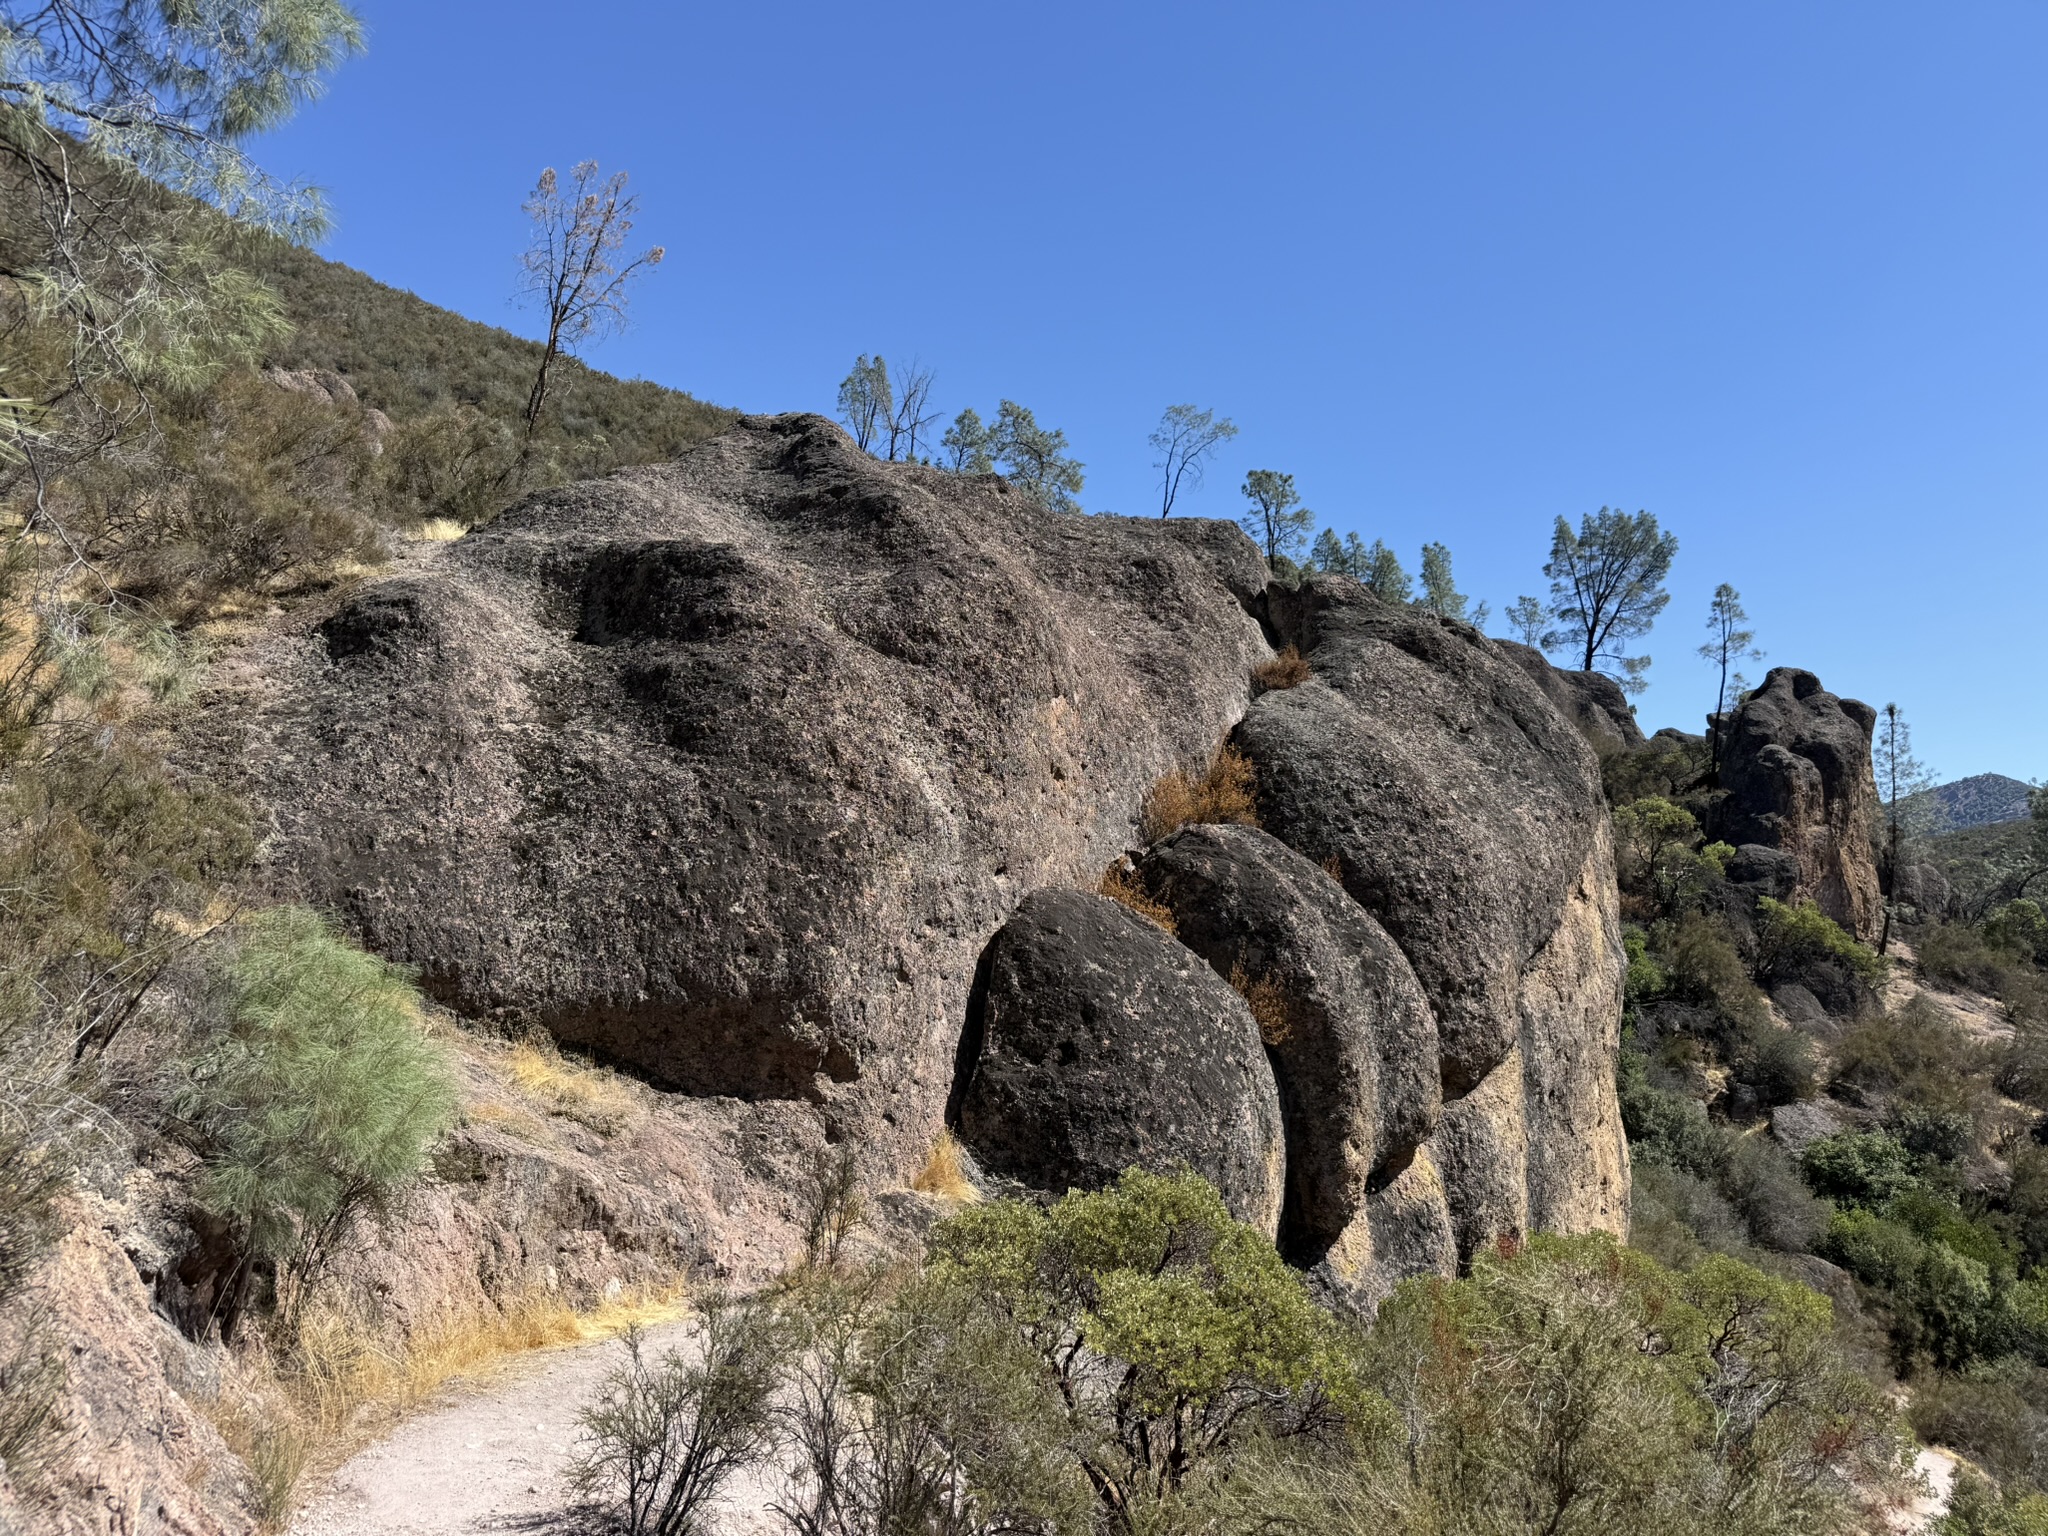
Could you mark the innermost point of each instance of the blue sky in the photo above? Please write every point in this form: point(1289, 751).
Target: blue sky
point(1773, 271)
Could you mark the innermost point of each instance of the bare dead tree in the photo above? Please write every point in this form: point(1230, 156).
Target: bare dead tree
point(576, 268)
point(912, 417)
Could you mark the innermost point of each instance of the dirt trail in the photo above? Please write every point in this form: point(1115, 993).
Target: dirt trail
point(491, 1458)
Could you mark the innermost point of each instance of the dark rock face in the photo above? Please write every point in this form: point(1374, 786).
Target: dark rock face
point(1102, 1044)
point(1765, 871)
point(729, 769)
point(1796, 765)
point(1464, 814)
point(1458, 804)
point(1356, 1055)
point(1592, 701)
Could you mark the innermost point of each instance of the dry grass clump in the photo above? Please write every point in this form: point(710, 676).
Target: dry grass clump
point(586, 1094)
point(1120, 885)
point(305, 1405)
point(1267, 1000)
point(1289, 669)
point(1223, 794)
point(1334, 868)
point(439, 530)
point(944, 1174)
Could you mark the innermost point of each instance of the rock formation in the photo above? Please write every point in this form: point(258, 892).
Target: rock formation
point(1592, 701)
point(1795, 762)
point(1096, 1042)
point(741, 770)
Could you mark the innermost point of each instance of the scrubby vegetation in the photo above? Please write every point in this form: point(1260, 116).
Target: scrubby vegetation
point(1223, 792)
point(1133, 1360)
point(1788, 1103)
point(315, 1104)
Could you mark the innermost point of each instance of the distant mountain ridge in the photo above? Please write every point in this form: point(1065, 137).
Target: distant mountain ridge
point(1981, 800)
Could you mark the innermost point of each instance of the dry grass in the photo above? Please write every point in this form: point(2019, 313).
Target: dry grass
point(439, 530)
point(1267, 1000)
point(1334, 868)
point(943, 1175)
point(509, 1119)
point(1286, 670)
point(1225, 793)
point(1119, 884)
point(307, 1408)
point(586, 1094)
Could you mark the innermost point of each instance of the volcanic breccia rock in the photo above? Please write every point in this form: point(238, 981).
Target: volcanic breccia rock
point(776, 773)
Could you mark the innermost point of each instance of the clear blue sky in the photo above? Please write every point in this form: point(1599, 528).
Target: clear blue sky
point(1773, 271)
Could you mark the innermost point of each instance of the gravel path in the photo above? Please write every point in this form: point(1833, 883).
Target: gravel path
point(491, 1458)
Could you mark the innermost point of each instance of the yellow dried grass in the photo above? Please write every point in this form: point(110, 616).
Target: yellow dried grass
point(944, 1174)
point(1267, 1000)
point(341, 1380)
point(576, 1090)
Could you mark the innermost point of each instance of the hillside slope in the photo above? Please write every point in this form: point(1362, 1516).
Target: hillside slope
point(407, 357)
point(1982, 800)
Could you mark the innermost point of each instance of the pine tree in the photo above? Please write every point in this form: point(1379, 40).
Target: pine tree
point(1439, 592)
point(1384, 577)
point(1607, 588)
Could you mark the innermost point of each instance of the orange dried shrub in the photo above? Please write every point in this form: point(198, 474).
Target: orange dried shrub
point(1287, 670)
point(1226, 793)
point(1267, 1001)
point(1120, 885)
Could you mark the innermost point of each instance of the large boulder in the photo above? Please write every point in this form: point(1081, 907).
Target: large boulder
point(1427, 772)
point(1795, 762)
point(1097, 1043)
point(1352, 1038)
point(727, 769)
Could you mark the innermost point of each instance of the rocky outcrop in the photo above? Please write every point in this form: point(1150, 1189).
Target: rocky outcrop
point(1795, 762)
point(729, 768)
point(1097, 1043)
point(740, 770)
point(1457, 807)
point(1592, 701)
point(1354, 1044)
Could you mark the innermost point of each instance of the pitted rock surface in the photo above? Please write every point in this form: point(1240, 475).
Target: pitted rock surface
point(1796, 764)
point(731, 769)
point(1103, 1044)
point(1356, 1053)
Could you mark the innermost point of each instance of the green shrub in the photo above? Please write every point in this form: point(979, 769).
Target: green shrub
point(1961, 955)
point(1942, 1303)
point(1915, 1055)
point(317, 1103)
point(1976, 1508)
point(1678, 1219)
point(1789, 938)
point(2021, 928)
point(1861, 1168)
point(1158, 1322)
point(1531, 1403)
point(1671, 1129)
point(1778, 1064)
point(1706, 968)
point(1645, 978)
point(1761, 1183)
